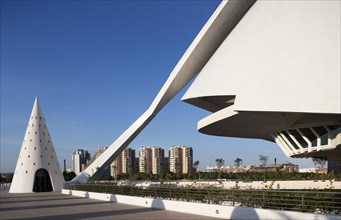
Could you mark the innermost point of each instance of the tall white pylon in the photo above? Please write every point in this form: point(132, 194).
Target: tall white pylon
point(37, 168)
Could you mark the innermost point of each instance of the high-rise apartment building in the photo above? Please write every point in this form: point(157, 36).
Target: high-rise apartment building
point(187, 159)
point(124, 163)
point(157, 160)
point(145, 160)
point(116, 167)
point(166, 165)
point(80, 159)
point(151, 160)
point(136, 165)
point(128, 157)
point(180, 159)
point(175, 159)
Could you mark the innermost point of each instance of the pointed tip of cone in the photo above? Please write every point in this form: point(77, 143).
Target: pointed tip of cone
point(36, 101)
point(36, 110)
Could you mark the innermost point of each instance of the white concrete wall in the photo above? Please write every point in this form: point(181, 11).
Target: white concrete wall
point(209, 210)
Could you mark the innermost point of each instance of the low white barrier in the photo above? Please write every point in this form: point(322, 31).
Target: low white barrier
point(210, 210)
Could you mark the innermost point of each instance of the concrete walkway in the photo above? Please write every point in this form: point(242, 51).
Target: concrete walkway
point(54, 205)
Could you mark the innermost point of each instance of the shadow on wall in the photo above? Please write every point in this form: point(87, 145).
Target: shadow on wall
point(244, 213)
point(158, 204)
point(112, 198)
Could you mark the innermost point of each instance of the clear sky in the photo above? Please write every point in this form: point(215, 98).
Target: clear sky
point(96, 66)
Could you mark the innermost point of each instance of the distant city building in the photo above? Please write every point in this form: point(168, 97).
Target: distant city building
point(80, 160)
point(116, 167)
point(307, 170)
point(128, 157)
point(321, 170)
point(157, 160)
point(151, 160)
point(313, 170)
point(187, 159)
point(180, 159)
point(136, 166)
point(226, 169)
point(288, 167)
point(285, 167)
point(145, 160)
point(166, 165)
point(125, 163)
point(98, 153)
point(175, 159)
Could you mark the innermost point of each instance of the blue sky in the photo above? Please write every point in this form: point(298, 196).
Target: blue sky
point(96, 66)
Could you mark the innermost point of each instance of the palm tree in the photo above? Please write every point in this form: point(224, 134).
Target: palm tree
point(220, 162)
point(238, 162)
point(319, 160)
point(196, 165)
point(263, 159)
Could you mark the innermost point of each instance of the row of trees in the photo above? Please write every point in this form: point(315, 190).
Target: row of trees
point(321, 161)
point(7, 178)
point(239, 162)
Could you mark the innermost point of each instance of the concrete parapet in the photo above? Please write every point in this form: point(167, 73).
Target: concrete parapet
point(209, 210)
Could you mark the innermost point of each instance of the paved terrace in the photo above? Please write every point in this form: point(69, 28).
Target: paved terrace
point(54, 205)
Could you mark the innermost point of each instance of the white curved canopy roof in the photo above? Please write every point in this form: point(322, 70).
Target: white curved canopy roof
point(283, 56)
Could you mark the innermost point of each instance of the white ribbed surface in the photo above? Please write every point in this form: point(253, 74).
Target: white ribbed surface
point(37, 152)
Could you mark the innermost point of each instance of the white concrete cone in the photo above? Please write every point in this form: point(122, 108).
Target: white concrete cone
point(37, 168)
